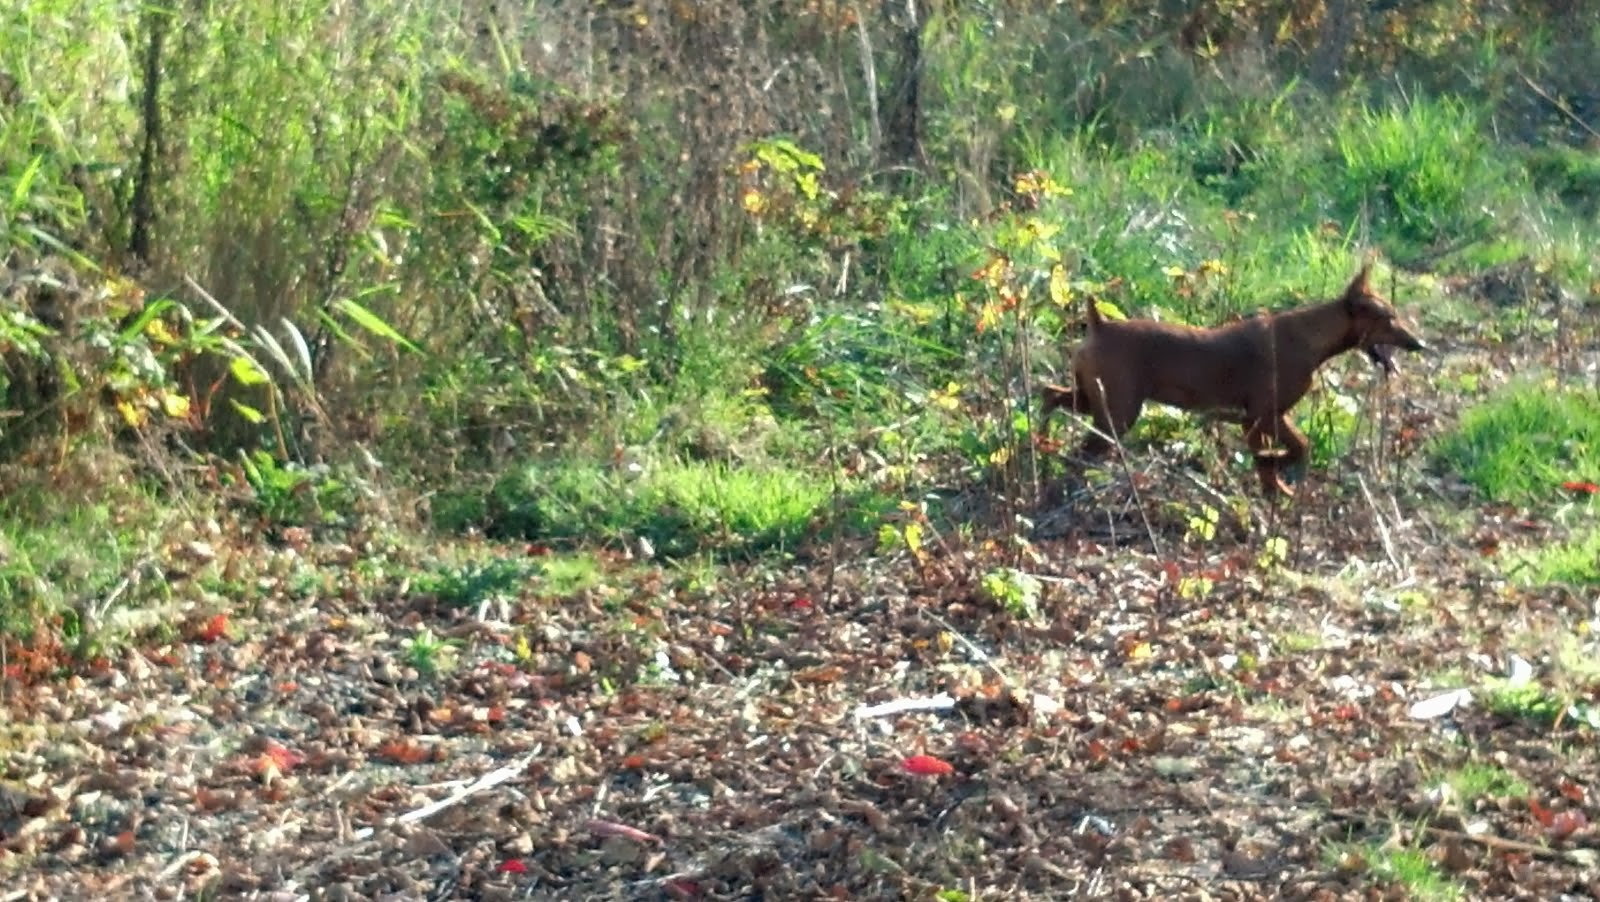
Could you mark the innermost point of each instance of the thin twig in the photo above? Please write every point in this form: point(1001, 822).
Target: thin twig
point(1383, 529)
point(982, 656)
point(1487, 840)
point(869, 73)
point(1122, 458)
point(487, 781)
point(1559, 105)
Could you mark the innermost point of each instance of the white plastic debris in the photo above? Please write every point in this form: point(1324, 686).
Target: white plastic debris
point(1440, 705)
point(937, 703)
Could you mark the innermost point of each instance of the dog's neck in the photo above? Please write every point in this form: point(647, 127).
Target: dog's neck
point(1323, 330)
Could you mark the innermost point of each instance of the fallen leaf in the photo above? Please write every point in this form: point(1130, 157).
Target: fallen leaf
point(402, 752)
point(611, 828)
point(818, 676)
point(276, 760)
point(214, 629)
point(927, 766)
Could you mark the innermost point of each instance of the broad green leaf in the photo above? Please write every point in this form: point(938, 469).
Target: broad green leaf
point(373, 323)
point(24, 185)
point(246, 372)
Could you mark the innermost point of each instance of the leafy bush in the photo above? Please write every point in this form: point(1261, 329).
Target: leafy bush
point(1525, 443)
point(1575, 562)
point(680, 508)
point(1572, 175)
point(1417, 171)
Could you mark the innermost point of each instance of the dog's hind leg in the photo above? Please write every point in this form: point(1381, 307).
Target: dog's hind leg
point(1113, 416)
point(1057, 397)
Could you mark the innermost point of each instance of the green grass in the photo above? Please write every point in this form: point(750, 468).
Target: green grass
point(679, 507)
point(1572, 175)
point(1523, 701)
point(1575, 562)
point(1416, 170)
point(1524, 443)
point(1409, 867)
point(1472, 782)
point(66, 559)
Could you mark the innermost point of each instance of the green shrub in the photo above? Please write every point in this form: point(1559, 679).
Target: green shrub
point(1417, 172)
point(680, 508)
point(1525, 443)
point(1572, 175)
point(1575, 562)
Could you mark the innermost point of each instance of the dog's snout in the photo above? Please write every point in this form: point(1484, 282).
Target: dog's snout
point(1404, 338)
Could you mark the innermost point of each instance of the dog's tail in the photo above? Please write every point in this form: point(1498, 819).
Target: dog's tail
point(1094, 313)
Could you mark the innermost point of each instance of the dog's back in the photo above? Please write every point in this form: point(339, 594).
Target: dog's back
point(1185, 366)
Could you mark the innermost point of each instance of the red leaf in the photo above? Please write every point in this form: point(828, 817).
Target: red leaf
point(1566, 823)
point(927, 766)
point(402, 752)
point(214, 629)
point(1582, 488)
point(284, 759)
point(512, 866)
point(611, 828)
point(682, 888)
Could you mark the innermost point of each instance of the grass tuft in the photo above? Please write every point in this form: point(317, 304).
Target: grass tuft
point(679, 507)
point(1525, 444)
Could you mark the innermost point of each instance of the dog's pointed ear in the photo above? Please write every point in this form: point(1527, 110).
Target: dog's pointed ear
point(1359, 286)
point(1363, 280)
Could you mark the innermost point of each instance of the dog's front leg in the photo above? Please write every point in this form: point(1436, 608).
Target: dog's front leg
point(1269, 460)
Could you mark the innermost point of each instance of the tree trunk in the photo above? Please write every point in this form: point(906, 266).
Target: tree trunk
point(1339, 21)
point(902, 135)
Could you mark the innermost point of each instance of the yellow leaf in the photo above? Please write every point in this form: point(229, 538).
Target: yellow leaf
point(1140, 652)
point(913, 536)
point(946, 641)
point(132, 414)
point(988, 317)
point(1060, 289)
point(176, 405)
point(157, 331)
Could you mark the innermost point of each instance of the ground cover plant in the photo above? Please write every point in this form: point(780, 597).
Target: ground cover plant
point(592, 451)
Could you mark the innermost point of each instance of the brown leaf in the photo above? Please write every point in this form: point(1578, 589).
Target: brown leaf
point(401, 751)
point(1179, 848)
point(611, 828)
point(817, 676)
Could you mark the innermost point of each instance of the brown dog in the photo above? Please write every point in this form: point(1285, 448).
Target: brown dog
point(1253, 370)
